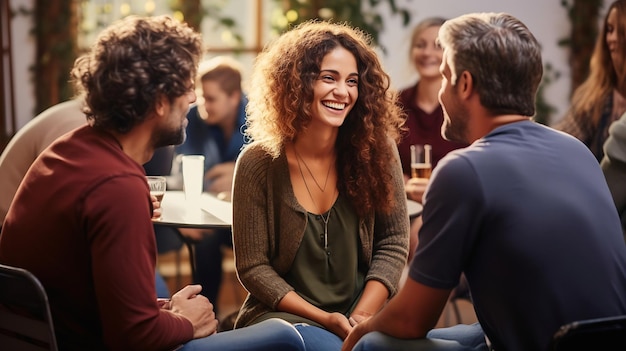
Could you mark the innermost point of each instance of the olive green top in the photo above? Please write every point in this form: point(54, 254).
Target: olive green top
point(325, 271)
point(269, 227)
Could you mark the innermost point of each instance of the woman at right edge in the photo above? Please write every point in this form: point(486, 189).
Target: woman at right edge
point(320, 225)
point(601, 99)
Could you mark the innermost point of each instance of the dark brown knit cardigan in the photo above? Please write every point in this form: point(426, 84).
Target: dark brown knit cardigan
point(269, 223)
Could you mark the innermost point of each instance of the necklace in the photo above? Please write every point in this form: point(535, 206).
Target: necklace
point(324, 219)
point(322, 189)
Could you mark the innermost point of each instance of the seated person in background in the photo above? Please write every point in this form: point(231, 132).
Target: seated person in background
point(614, 166)
point(30, 141)
point(524, 211)
point(81, 218)
point(420, 103)
point(214, 130)
point(215, 124)
point(320, 223)
point(601, 98)
point(424, 113)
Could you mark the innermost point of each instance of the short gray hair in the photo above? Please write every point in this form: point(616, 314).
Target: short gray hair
point(501, 54)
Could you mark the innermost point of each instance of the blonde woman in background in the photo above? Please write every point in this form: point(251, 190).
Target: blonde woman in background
point(424, 113)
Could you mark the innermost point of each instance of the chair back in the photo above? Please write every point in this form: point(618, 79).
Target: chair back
point(606, 334)
point(25, 319)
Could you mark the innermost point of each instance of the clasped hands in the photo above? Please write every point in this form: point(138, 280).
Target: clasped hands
point(188, 302)
point(341, 326)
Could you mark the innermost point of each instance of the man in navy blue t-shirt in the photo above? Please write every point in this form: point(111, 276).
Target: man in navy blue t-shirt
point(524, 211)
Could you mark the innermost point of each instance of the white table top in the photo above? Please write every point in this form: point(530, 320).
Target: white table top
point(210, 212)
point(414, 208)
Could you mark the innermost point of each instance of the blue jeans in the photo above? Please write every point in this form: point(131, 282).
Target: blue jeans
point(456, 338)
point(316, 338)
point(270, 335)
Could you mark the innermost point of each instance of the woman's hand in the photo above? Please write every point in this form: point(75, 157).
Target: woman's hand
point(338, 324)
point(355, 335)
point(358, 316)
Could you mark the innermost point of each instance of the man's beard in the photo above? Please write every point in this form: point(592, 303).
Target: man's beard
point(455, 130)
point(169, 137)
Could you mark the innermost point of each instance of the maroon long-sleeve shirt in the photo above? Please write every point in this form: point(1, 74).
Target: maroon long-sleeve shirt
point(81, 223)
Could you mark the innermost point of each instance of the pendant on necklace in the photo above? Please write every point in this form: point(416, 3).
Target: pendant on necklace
point(325, 235)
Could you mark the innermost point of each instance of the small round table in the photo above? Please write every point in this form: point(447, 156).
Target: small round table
point(209, 213)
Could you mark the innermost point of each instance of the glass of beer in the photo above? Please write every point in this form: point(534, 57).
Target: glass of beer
point(421, 165)
point(157, 186)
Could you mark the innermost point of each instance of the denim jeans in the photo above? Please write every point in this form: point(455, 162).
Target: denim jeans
point(456, 338)
point(318, 339)
point(270, 335)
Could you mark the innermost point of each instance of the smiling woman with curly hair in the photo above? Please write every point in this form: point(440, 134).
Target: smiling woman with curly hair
point(320, 223)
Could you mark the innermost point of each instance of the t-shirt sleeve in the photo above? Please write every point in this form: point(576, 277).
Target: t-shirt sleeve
point(123, 256)
point(453, 203)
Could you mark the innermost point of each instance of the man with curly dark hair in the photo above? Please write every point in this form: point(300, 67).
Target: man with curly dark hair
point(96, 256)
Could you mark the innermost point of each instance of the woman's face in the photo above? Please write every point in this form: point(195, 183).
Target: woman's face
point(426, 54)
point(612, 40)
point(336, 88)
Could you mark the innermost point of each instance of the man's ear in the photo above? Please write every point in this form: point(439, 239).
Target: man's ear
point(160, 106)
point(465, 84)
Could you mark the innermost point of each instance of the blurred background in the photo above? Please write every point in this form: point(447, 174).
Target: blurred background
point(42, 38)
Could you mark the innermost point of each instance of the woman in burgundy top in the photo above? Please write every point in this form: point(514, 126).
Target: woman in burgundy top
point(424, 113)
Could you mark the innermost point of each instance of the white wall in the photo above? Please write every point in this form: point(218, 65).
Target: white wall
point(546, 19)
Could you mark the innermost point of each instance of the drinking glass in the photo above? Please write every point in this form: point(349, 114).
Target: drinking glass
point(193, 177)
point(157, 186)
point(421, 165)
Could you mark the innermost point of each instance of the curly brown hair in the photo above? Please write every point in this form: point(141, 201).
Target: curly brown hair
point(280, 101)
point(133, 63)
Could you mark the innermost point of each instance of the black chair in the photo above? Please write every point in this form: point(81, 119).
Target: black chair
point(606, 334)
point(25, 319)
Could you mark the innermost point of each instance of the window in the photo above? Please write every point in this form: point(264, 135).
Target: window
point(251, 23)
